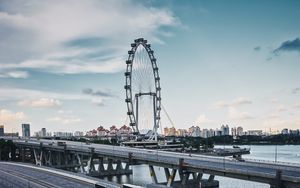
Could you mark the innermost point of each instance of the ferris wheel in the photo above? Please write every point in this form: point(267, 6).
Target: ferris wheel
point(143, 91)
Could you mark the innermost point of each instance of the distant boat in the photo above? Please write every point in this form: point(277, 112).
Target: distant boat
point(235, 146)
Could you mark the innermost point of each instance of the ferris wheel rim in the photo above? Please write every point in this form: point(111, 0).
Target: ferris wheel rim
point(128, 86)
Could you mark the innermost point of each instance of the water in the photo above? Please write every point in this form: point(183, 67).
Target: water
point(286, 153)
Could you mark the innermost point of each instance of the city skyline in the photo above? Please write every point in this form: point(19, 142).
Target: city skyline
point(62, 67)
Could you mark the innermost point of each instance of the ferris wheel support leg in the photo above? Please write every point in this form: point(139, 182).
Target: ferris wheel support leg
point(154, 114)
point(137, 111)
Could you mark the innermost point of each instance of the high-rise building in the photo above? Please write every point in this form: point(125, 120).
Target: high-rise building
point(26, 130)
point(225, 130)
point(1, 130)
point(43, 132)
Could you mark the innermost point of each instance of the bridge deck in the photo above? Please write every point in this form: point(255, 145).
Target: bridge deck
point(253, 171)
point(20, 175)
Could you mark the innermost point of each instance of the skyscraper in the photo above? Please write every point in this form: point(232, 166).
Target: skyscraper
point(1, 130)
point(26, 130)
point(43, 132)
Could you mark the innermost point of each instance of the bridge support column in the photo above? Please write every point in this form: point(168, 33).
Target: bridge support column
point(100, 165)
point(48, 158)
point(38, 157)
point(152, 174)
point(197, 177)
point(167, 173)
point(211, 178)
point(277, 182)
point(171, 178)
point(81, 167)
point(90, 165)
point(22, 153)
point(185, 178)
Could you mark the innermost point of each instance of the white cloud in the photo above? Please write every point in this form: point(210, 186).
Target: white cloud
point(52, 27)
point(281, 108)
point(64, 120)
point(282, 123)
point(221, 104)
point(236, 115)
point(202, 119)
point(42, 102)
point(241, 101)
point(274, 100)
point(9, 117)
point(297, 105)
point(20, 94)
point(236, 102)
point(14, 74)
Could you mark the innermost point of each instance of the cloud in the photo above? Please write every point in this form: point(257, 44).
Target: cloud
point(64, 120)
point(20, 94)
point(257, 48)
point(14, 74)
point(281, 108)
point(88, 37)
point(236, 102)
point(99, 93)
point(296, 90)
point(235, 115)
point(7, 116)
point(278, 123)
point(98, 102)
point(297, 105)
point(274, 100)
point(202, 119)
point(289, 45)
point(274, 115)
point(98, 97)
point(241, 101)
point(41, 103)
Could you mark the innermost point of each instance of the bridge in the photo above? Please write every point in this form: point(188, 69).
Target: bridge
point(83, 157)
point(20, 175)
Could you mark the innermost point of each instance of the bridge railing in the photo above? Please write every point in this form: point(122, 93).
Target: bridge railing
point(274, 162)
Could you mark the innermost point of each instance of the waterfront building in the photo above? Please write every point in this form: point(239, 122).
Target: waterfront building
point(12, 134)
point(78, 133)
point(26, 130)
point(217, 132)
point(1, 130)
point(234, 131)
point(62, 134)
point(101, 131)
point(172, 131)
point(240, 131)
point(125, 130)
point(195, 131)
point(294, 132)
point(166, 131)
point(285, 131)
point(181, 132)
point(225, 130)
point(255, 132)
point(43, 132)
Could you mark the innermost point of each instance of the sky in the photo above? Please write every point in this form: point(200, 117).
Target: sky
point(230, 62)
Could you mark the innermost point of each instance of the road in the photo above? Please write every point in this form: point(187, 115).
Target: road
point(16, 175)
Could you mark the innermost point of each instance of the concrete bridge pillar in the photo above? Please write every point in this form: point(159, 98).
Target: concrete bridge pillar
point(48, 158)
point(171, 178)
point(211, 178)
point(81, 166)
point(38, 157)
point(152, 174)
point(277, 182)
